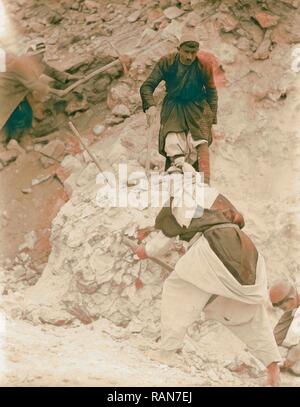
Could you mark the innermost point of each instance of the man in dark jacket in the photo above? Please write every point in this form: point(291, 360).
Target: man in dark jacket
point(190, 106)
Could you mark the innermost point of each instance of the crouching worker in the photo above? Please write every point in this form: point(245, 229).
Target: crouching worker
point(221, 274)
point(19, 80)
point(286, 296)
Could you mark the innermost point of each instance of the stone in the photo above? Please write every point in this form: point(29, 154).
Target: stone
point(227, 23)
point(192, 20)
point(121, 111)
point(92, 19)
point(186, 5)
point(14, 145)
point(134, 16)
point(8, 156)
point(165, 3)
point(292, 3)
point(243, 44)
point(30, 274)
point(173, 12)
point(26, 190)
point(227, 53)
point(87, 175)
point(55, 149)
point(266, 20)
point(98, 129)
point(76, 105)
point(173, 31)
point(55, 18)
point(117, 94)
point(55, 317)
point(71, 164)
point(114, 120)
point(30, 240)
point(19, 271)
point(147, 36)
point(263, 51)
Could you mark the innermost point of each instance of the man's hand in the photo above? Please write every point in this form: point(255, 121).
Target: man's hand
point(273, 375)
point(151, 115)
point(144, 232)
point(141, 252)
point(57, 92)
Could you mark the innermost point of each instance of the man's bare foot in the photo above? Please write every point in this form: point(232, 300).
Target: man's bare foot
point(273, 375)
point(166, 357)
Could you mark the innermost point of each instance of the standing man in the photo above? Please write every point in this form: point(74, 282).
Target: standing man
point(286, 296)
point(189, 108)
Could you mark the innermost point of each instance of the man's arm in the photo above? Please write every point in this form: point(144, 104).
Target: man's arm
point(148, 87)
point(28, 72)
point(211, 91)
point(282, 327)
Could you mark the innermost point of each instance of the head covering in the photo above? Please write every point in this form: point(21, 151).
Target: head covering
point(190, 38)
point(280, 290)
point(36, 48)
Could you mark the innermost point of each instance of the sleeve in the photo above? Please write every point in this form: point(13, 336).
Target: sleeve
point(158, 245)
point(148, 87)
point(55, 74)
point(27, 73)
point(282, 327)
point(209, 82)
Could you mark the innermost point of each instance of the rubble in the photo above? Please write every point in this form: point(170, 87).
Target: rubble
point(266, 20)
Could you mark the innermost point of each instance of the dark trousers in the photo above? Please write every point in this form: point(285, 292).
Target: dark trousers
point(20, 120)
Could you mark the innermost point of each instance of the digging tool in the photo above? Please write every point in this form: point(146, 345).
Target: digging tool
point(86, 78)
point(134, 246)
point(149, 139)
point(87, 149)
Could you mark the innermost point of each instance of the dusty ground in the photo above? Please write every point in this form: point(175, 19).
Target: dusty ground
point(87, 356)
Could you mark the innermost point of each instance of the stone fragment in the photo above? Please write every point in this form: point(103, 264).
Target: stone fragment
point(227, 23)
point(55, 149)
point(76, 105)
point(30, 240)
point(266, 20)
point(263, 51)
point(292, 3)
point(121, 111)
point(134, 16)
point(173, 12)
point(55, 317)
point(8, 156)
point(173, 31)
point(243, 44)
point(227, 53)
point(14, 145)
point(98, 129)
